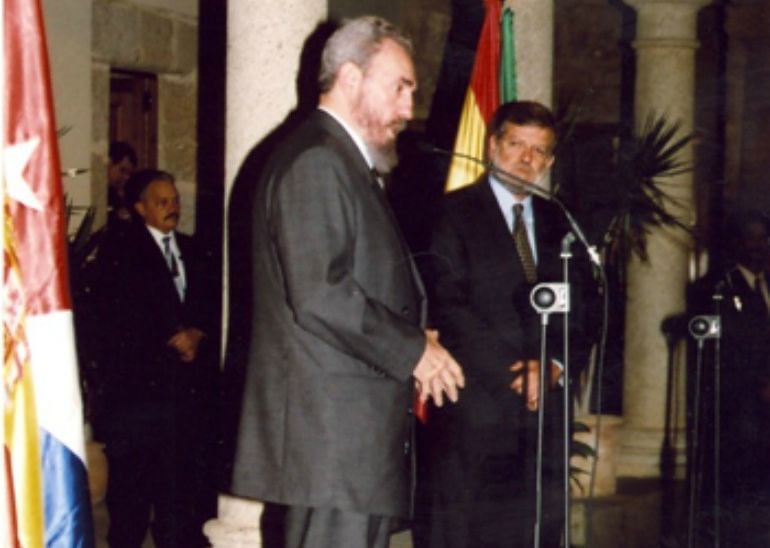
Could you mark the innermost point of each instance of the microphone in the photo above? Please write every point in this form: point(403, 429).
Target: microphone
point(515, 182)
point(518, 184)
point(566, 242)
point(705, 327)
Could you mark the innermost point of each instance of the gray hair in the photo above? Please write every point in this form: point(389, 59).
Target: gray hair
point(356, 41)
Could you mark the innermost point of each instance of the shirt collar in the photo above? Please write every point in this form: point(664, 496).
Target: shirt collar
point(357, 139)
point(158, 236)
point(506, 199)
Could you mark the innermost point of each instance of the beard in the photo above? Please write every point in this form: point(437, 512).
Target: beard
point(384, 157)
point(378, 134)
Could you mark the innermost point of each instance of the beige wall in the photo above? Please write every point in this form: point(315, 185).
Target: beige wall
point(68, 32)
point(86, 39)
point(186, 8)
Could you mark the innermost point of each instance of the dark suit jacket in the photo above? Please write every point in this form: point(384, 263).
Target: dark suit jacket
point(479, 298)
point(335, 334)
point(140, 311)
point(745, 371)
point(481, 449)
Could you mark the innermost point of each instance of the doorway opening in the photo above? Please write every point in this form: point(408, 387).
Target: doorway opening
point(134, 113)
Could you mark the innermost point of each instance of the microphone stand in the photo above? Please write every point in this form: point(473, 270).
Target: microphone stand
point(702, 328)
point(548, 298)
point(717, 298)
point(566, 255)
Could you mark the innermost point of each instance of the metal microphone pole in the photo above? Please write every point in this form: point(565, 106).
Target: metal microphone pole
point(566, 255)
point(717, 297)
point(701, 328)
point(546, 298)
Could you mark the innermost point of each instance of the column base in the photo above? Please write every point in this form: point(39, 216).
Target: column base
point(642, 456)
point(236, 525)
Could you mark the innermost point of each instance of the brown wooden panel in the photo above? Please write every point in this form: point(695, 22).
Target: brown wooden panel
point(134, 113)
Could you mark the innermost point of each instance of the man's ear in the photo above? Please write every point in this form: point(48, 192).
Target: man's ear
point(491, 148)
point(350, 76)
point(139, 208)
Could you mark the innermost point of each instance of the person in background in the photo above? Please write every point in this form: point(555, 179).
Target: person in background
point(158, 374)
point(745, 382)
point(122, 163)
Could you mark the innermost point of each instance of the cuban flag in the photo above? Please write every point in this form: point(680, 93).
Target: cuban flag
point(45, 499)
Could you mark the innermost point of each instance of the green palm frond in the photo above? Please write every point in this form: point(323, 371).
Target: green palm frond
point(580, 449)
point(641, 199)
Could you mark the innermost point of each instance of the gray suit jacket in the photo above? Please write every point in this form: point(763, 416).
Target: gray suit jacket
point(335, 334)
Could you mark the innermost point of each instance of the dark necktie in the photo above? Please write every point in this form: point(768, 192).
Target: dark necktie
point(522, 244)
point(173, 267)
point(170, 259)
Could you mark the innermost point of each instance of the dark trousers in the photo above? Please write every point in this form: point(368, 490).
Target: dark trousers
point(477, 486)
point(151, 453)
point(333, 528)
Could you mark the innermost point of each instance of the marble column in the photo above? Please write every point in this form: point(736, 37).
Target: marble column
point(534, 35)
point(533, 29)
point(665, 85)
point(264, 44)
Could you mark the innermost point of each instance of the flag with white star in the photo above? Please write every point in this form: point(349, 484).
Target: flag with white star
point(45, 500)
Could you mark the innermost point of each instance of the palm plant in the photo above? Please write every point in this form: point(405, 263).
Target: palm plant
point(638, 196)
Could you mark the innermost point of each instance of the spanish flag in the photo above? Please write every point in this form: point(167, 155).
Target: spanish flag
point(45, 498)
point(493, 80)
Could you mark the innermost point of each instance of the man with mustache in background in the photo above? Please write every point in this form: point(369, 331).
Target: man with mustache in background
point(158, 373)
point(336, 342)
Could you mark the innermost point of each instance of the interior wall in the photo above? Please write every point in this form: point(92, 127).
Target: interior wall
point(132, 36)
point(68, 33)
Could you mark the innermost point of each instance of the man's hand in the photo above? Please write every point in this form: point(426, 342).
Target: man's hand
point(532, 380)
point(186, 342)
point(437, 372)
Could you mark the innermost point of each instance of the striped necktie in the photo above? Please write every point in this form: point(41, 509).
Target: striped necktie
point(170, 259)
point(521, 239)
point(173, 267)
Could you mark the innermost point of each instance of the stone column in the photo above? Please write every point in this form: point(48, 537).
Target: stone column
point(264, 43)
point(665, 75)
point(533, 33)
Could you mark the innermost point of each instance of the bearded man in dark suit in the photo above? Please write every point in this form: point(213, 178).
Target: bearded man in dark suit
point(491, 244)
point(336, 336)
point(157, 372)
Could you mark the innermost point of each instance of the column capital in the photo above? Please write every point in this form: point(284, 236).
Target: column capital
point(668, 20)
point(667, 4)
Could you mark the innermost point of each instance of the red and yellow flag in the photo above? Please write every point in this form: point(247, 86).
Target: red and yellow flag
point(45, 498)
point(492, 80)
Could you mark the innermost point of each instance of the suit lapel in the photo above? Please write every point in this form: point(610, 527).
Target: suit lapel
point(362, 172)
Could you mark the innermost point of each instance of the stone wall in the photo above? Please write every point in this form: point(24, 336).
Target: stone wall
point(135, 37)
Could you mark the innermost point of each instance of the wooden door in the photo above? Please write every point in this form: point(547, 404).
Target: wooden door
point(134, 113)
